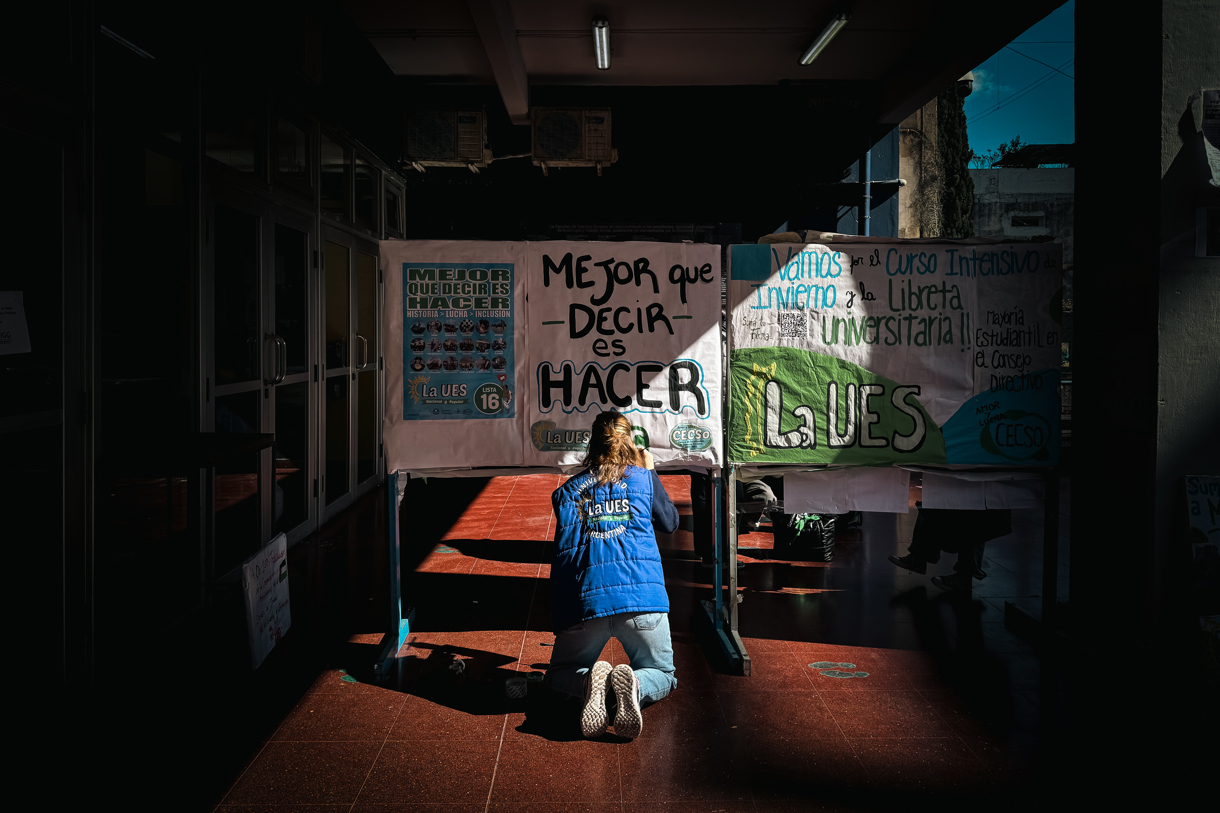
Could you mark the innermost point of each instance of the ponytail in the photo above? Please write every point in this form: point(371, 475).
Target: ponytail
point(611, 448)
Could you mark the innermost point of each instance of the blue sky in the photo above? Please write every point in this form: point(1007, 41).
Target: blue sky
point(1016, 95)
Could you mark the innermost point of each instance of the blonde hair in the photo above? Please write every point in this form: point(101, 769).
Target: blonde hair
point(611, 448)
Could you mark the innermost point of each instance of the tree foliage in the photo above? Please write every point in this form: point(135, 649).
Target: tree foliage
point(957, 199)
point(988, 159)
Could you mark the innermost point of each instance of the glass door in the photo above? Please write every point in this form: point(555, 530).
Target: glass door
point(352, 400)
point(263, 376)
point(238, 370)
point(291, 382)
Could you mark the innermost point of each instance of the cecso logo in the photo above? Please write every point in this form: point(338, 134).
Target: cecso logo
point(691, 437)
point(1017, 435)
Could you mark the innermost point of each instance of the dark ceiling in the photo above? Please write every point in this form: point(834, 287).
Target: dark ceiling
point(903, 51)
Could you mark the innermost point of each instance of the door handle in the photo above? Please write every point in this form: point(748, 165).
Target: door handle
point(281, 358)
point(276, 364)
point(364, 350)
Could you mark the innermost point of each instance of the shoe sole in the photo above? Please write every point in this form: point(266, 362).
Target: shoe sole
point(593, 716)
point(628, 719)
point(922, 572)
point(949, 587)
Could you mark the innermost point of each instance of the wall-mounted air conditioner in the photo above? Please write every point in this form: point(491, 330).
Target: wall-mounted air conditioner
point(572, 137)
point(447, 138)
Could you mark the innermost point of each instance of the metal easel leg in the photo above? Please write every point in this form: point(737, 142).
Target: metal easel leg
point(399, 621)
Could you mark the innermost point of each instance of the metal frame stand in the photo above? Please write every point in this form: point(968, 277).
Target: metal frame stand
point(722, 613)
point(399, 620)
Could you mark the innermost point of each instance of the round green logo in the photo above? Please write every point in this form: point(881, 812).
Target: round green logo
point(692, 437)
point(489, 398)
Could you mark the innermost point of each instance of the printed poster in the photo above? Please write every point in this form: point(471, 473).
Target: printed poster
point(14, 331)
point(454, 353)
point(264, 580)
point(458, 325)
point(631, 326)
point(876, 351)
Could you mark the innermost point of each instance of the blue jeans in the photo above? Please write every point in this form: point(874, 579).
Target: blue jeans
point(645, 639)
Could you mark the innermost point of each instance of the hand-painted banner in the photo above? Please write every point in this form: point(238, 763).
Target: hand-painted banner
point(628, 326)
point(479, 374)
point(455, 353)
point(875, 351)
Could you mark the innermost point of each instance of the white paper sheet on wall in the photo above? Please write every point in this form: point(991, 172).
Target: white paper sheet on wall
point(14, 331)
point(978, 490)
point(839, 491)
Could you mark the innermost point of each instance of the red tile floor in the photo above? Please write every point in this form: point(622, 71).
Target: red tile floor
point(953, 707)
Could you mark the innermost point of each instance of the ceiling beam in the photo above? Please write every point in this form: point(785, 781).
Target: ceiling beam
point(498, 31)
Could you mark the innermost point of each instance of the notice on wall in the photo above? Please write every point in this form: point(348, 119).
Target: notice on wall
point(264, 580)
point(876, 351)
point(632, 327)
point(454, 353)
point(1210, 126)
point(14, 331)
point(1203, 517)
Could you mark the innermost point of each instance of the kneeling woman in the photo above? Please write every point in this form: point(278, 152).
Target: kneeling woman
point(606, 581)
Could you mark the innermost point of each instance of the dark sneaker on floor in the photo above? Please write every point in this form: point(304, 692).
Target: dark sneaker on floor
point(628, 719)
point(911, 563)
point(593, 714)
point(956, 583)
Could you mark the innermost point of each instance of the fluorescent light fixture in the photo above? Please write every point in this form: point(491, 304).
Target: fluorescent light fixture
point(822, 40)
point(601, 42)
point(130, 46)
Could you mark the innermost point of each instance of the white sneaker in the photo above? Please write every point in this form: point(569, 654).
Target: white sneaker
point(628, 719)
point(593, 715)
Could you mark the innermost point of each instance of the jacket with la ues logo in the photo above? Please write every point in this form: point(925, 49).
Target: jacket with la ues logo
point(606, 557)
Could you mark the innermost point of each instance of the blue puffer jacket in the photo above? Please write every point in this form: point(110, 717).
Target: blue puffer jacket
point(606, 558)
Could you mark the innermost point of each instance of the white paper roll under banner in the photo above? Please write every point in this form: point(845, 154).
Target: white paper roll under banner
point(841, 490)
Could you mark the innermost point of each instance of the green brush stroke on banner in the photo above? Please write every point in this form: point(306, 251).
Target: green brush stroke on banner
point(804, 378)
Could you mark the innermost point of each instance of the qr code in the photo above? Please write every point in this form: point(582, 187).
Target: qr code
point(792, 325)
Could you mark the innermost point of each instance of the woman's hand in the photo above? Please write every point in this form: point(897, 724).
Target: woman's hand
point(646, 458)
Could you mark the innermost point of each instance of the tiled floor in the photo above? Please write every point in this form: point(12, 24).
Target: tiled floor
point(952, 704)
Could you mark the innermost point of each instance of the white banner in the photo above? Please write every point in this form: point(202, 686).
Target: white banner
point(455, 352)
point(877, 351)
point(633, 327)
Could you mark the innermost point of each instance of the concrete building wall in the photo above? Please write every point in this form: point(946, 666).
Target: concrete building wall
point(1046, 194)
point(919, 166)
point(1188, 386)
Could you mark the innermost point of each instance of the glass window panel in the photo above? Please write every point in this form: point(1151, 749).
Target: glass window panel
point(366, 195)
point(366, 309)
point(292, 156)
point(393, 210)
point(336, 165)
point(291, 456)
point(366, 425)
point(292, 295)
point(337, 438)
point(236, 299)
point(338, 280)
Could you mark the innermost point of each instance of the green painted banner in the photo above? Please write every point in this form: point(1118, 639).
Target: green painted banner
point(795, 406)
